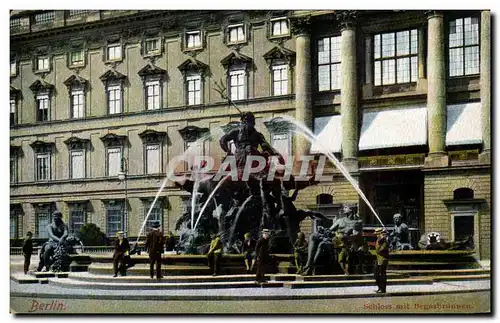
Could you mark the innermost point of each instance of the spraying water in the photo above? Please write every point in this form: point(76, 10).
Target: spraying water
point(233, 227)
point(307, 133)
point(194, 197)
point(209, 199)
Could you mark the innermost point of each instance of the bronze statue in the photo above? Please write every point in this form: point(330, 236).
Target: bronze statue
point(400, 235)
point(320, 249)
point(58, 232)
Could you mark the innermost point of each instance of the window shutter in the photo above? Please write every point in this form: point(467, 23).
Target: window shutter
point(114, 161)
point(153, 159)
point(77, 164)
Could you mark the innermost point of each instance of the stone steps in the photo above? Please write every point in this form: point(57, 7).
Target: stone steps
point(84, 277)
point(159, 284)
point(343, 277)
point(441, 272)
point(352, 283)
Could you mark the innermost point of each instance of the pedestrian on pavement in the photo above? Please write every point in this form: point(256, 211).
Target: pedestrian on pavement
point(122, 249)
point(154, 246)
point(214, 254)
point(27, 251)
point(382, 250)
point(262, 253)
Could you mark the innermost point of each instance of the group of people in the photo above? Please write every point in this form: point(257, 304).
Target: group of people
point(156, 244)
point(255, 254)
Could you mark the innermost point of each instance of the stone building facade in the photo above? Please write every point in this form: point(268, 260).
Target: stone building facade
point(401, 97)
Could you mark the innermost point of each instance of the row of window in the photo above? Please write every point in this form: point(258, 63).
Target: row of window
point(115, 161)
point(79, 216)
point(153, 92)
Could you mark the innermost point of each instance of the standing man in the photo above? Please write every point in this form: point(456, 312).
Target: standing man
point(154, 246)
point(27, 250)
point(382, 250)
point(262, 253)
point(122, 249)
point(214, 253)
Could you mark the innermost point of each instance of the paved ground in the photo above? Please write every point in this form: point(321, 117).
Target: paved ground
point(443, 297)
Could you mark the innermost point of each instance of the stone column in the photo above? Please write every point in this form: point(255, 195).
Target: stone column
point(421, 80)
point(436, 93)
point(349, 91)
point(485, 80)
point(303, 100)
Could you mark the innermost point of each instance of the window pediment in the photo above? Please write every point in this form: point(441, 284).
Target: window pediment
point(41, 86)
point(280, 53)
point(40, 146)
point(112, 75)
point(193, 65)
point(112, 139)
point(151, 71)
point(192, 133)
point(75, 80)
point(236, 59)
point(230, 126)
point(152, 136)
point(278, 125)
point(76, 143)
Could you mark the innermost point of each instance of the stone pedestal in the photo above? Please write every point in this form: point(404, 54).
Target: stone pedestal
point(435, 160)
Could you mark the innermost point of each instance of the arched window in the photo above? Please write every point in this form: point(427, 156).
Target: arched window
point(463, 194)
point(323, 199)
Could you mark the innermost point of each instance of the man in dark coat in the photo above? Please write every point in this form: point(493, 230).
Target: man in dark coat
point(262, 253)
point(382, 250)
point(154, 246)
point(122, 249)
point(248, 250)
point(27, 251)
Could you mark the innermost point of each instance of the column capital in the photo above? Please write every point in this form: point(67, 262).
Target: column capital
point(301, 25)
point(347, 18)
point(433, 14)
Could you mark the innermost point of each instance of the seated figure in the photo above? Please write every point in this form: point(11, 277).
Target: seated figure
point(400, 236)
point(320, 248)
point(57, 232)
point(300, 252)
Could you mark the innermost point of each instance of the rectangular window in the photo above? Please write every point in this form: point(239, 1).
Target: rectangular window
point(114, 161)
point(77, 103)
point(42, 218)
point(45, 17)
point(76, 58)
point(153, 159)
point(13, 108)
point(195, 149)
point(282, 143)
point(464, 46)
point(329, 77)
point(43, 166)
point(193, 39)
point(13, 169)
point(152, 95)
point(15, 23)
point(114, 217)
point(77, 164)
point(42, 107)
point(155, 215)
point(42, 63)
point(114, 99)
point(279, 27)
point(193, 89)
point(237, 84)
point(114, 52)
point(77, 218)
point(78, 13)
point(13, 68)
point(236, 34)
point(153, 46)
point(396, 57)
point(14, 220)
point(280, 79)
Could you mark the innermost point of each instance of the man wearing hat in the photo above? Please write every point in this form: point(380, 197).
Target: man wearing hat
point(214, 253)
point(122, 249)
point(154, 246)
point(262, 253)
point(382, 250)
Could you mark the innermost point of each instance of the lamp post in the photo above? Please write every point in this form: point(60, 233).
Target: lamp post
point(122, 176)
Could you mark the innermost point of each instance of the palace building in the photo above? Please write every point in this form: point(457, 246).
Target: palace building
point(100, 101)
